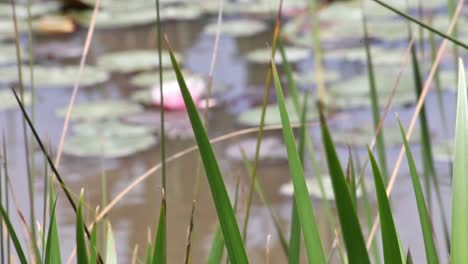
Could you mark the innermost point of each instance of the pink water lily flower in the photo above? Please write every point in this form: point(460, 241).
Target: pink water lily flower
point(173, 99)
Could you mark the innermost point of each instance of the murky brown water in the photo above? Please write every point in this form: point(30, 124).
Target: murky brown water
point(132, 217)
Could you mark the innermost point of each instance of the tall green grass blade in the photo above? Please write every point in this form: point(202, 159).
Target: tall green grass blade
point(409, 258)
point(351, 229)
point(52, 252)
point(149, 254)
point(232, 237)
point(81, 250)
point(111, 252)
point(2, 245)
point(318, 54)
point(437, 83)
point(30, 172)
point(451, 6)
point(31, 161)
point(217, 248)
point(295, 231)
point(425, 136)
point(459, 240)
point(317, 170)
point(425, 221)
point(45, 197)
point(7, 197)
point(390, 242)
point(426, 150)
point(305, 212)
point(266, 98)
point(13, 236)
point(93, 245)
point(375, 104)
point(366, 206)
point(264, 200)
point(160, 243)
point(351, 179)
point(414, 20)
point(159, 252)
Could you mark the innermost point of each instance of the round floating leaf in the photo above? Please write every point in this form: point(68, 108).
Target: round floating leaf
point(362, 136)
point(8, 100)
point(340, 12)
point(237, 28)
point(134, 60)
point(314, 188)
point(271, 149)
point(149, 79)
point(7, 28)
point(105, 109)
point(124, 4)
point(444, 151)
point(354, 92)
point(257, 8)
point(37, 9)
point(385, 80)
point(54, 77)
point(272, 116)
point(448, 80)
point(107, 146)
point(294, 54)
point(109, 128)
point(380, 56)
point(107, 19)
point(309, 77)
point(340, 101)
point(8, 54)
point(121, 15)
point(177, 124)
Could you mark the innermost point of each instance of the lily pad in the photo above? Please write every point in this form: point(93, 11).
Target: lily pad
point(37, 9)
point(341, 12)
point(237, 28)
point(8, 100)
point(310, 77)
point(54, 77)
point(354, 93)
point(294, 55)
point(7, 28)
point(257, 8)
point(362, 136)
point(121, 15)
point(298, 32)
point(149, 79)
point(385, 79)
point(134, 60)
point(272, 116)
point(314, 188)
point(448, 80)
point(8, 54)
point(177, 124)
point(107, 146)
point(109, 128)
point(97, 110)
point(380, 56)
point(107, 19)
point(271, 149)
point(444, 151)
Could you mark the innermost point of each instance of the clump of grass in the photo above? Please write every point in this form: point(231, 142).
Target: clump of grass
point(303, 221)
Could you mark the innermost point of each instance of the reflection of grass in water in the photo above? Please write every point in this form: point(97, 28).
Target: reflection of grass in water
point(349, 235)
